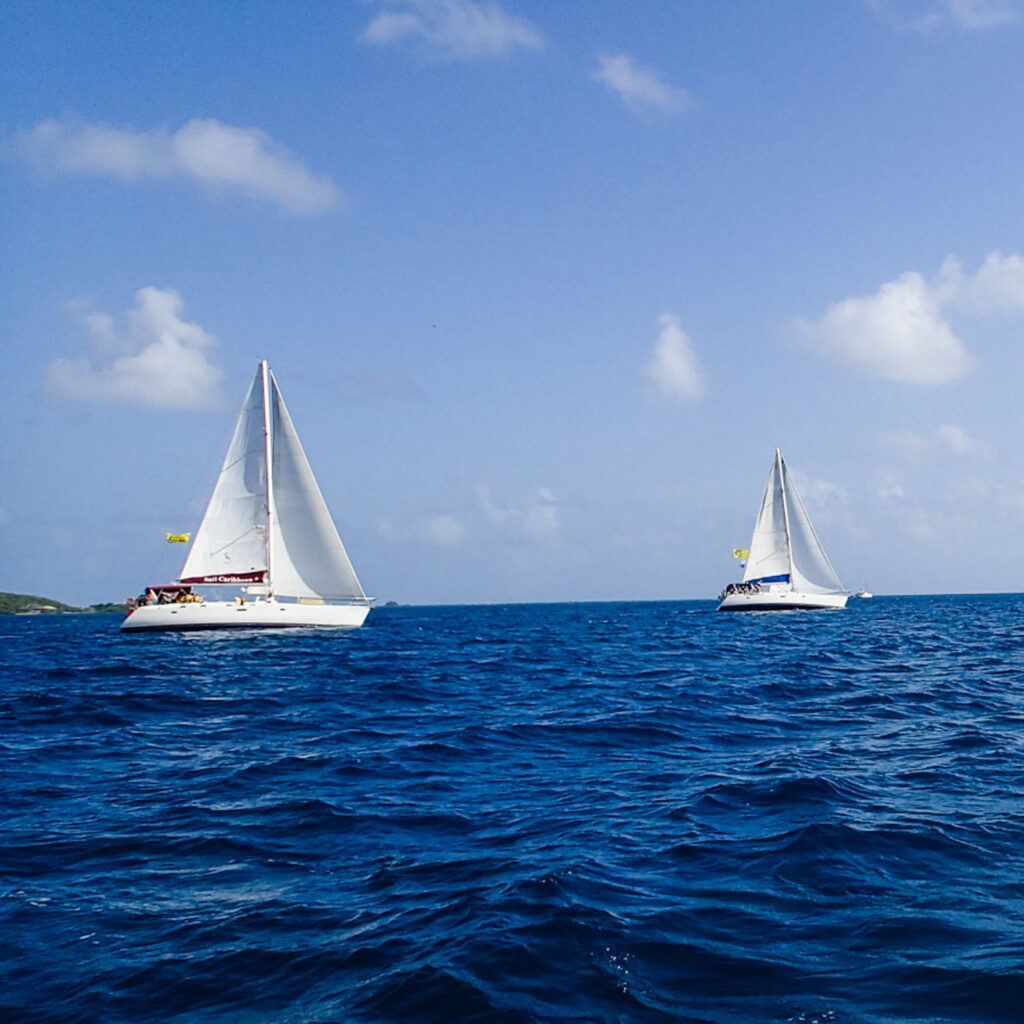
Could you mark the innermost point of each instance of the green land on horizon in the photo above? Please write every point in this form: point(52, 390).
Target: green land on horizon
point(30, 604)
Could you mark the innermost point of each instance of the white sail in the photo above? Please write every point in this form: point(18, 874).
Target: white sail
point(784, 544)
point(768, 555)
point(812, 571)
point(307, 556)
point(266, 526)
point(230, 544)
point(786, 566)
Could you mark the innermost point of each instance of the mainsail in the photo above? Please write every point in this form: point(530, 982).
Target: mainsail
point(784, 545)
point(274, 528)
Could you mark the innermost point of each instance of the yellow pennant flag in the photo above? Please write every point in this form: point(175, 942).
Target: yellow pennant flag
point(178, 538)
point(740, 552)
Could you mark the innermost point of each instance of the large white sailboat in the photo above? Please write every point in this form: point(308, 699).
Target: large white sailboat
point(785, 566)
point(266, 534)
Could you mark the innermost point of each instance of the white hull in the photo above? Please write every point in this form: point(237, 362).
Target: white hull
point(251, 615)
point(780, 600)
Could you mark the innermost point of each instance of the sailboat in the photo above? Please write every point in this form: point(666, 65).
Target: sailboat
point(266, 533)
point(786, 566)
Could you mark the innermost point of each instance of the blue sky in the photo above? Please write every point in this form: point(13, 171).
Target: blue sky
point(544, 285)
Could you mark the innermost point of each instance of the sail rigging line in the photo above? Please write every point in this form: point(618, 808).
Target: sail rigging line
point(268, 475)
point(780, 468)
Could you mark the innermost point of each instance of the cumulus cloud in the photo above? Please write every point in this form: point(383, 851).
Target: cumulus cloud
point(901, 332)
point(154, 358)
point(452, 29)
point(897, 334)
point(639, 86)
point(674, 369)
point(206, 152)
point(537, 520)
point(971, 15)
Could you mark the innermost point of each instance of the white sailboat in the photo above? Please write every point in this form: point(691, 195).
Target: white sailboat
point(266, 532)
point(786, 566)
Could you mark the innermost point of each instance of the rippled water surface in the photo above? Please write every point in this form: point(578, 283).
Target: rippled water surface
point(593, 812)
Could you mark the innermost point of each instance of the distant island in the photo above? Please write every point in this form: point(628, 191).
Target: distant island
point(30, 604)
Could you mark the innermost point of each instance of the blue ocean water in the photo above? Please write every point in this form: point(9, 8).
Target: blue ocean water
point(596, 812)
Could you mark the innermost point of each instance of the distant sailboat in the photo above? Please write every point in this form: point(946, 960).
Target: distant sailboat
point(786, 566)
point(267, 531)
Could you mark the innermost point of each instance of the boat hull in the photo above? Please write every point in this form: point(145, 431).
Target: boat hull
point(187, 617)
point(776, 601)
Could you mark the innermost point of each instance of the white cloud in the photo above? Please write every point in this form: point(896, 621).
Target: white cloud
point(997, 287)
point(946, 439)
point(890, 486)
point(905, 443)
point(901, 332)
point(897, 334)
point(820, 493)
point(972, 15)
point(639, 86)
point(982, 14)
point(674, 369)
point(957, 440)
point(156, 358)
point(205, 152)
point(538, 520)
point(446, 530)
point(453, 29)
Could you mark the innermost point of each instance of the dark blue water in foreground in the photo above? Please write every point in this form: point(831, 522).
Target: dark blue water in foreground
point(618, 812)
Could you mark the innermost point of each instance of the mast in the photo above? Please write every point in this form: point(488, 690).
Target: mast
point(268, 459)
point(785, 511)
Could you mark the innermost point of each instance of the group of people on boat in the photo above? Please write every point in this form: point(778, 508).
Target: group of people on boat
point(741, 588)
point(163, 595)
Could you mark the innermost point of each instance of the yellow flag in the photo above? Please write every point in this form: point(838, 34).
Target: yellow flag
point(740, 552)
point(178, 538)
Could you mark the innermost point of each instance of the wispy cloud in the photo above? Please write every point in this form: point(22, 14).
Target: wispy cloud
point(445, 530)
point(205, 152)
point(154, 358)
point(538, 519)
point(819, 494)
point(997, 287)
point(970, 15)
point(640, 87)
point(674, 369)
point(901, 332)
point(452, 29)
point(946, 439)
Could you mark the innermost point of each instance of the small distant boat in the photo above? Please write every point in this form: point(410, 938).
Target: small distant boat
point(785, 566)
point(863, 593)
point(267, 533)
